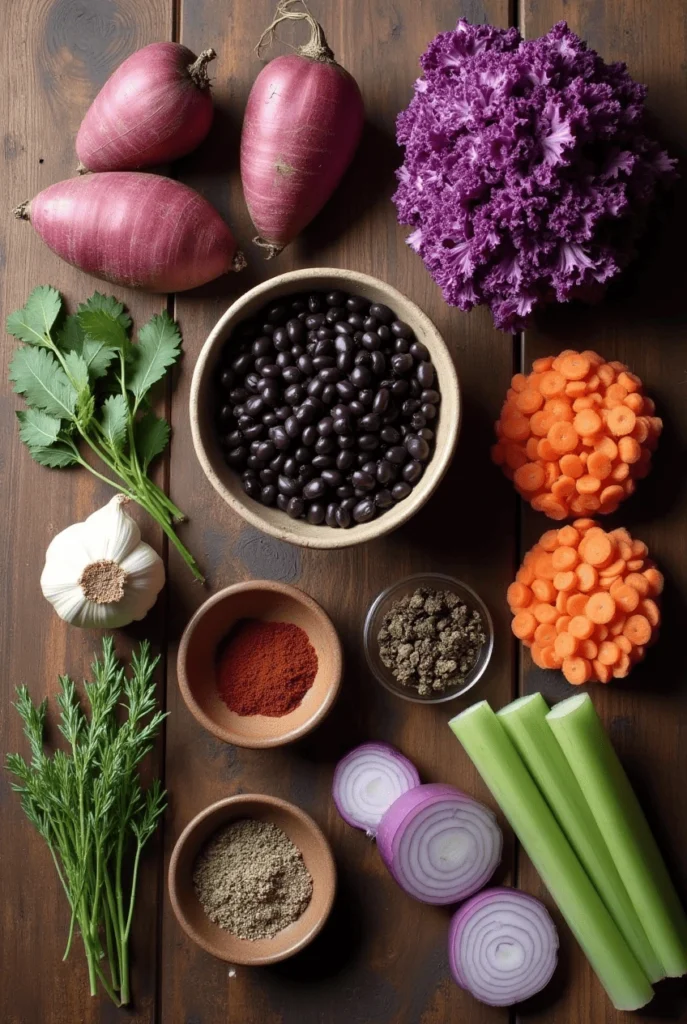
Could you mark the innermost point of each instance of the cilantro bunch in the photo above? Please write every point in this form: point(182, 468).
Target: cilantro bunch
point(88, 804)
point(85, 381)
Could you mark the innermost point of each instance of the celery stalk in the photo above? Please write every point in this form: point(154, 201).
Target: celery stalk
point(621, 821)
point(525, 722)
point(498, 762)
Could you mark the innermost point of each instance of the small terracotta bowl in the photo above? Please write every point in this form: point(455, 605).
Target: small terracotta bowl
point(317, 855)
point(196, 662)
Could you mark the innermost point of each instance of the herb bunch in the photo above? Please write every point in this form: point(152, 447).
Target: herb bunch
point(89, 806)
point(84, 380)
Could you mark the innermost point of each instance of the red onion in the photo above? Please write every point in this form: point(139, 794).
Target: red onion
point(368, 780)
point(156, 107)
point(502, 946)
point(134, 229)
point(439, 844)
point(302, 125)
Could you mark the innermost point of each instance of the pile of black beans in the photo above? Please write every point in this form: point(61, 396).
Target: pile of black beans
point(327, 407)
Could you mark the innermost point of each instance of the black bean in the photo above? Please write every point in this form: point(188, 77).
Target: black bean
point(431, 396)
point(315, 302)
point(385, 472)
point(378, 364)
point(425, 374)
point(292, 427)
point(294, 394)
point(281, 339)
point(384, 499)
point(330, 515)
point(362, 480)
point(329, 374)
point(356, 303)
point(268, 495)
point(254, 447)
point(417, 421)
point(289, 486)
point(285, 360)
point(305, 364)
point(356, 321)
point(366, 397)
point(391, 415)
point(295, 508)
point(316, 513)
point(343, 517)
point(402, 345)
point(291, 467)
point(335, 314)
point(412, 471)
point(371, 323)
point(368, 442)
point(362, 358)
point(361, 377)
point(266, 450)
point(410, 406)
point(344, 492)
point(350, 503)
point(304, 414)
point(419, 351)
point(267, 329)
point(254, 432)
point(270, 395)
point(400, 388)
point(371, 341)
point(381, 313)
point(251, 381)
point(345, 460)
point(344, 327)
point(415, 388)
point(330, 394)
point(270, 419)
point(262, 346)
point(402, 363)
point(234, 439)
point(344, 343)
point(397, 454)
point(372, 421)
point(326, 426)
point(271, 370)
point(316, 403)
point(278, 314)
point(325, 445)
point(297, 351)
point(356, 408)
point(332, 477)
point(401, 490)
point(227, 378)
point(345, 362)
point(237, 457)
point(314, 321)
point(365, 510)
point(306, 474)
point(316, 387)
point(295, 330)
point(417, 448)
point(314, 488)
point(380, 403)
point(323, 462)
point(303, 454)
point(428, 411)
point(346, 390)
point(242, 364)
point(238, 395)
point(254, 406)
point(277, 463)
point(282, 502)
point(400, 329)
point(335, 298)
point(309, 435)
point(384, 333)
point(280, 437)
point(252, 487)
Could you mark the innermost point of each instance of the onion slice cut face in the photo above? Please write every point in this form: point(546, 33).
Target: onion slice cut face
point(368, 780)
point(502, 946)
point(440, 845)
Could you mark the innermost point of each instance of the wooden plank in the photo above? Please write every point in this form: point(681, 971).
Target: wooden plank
point(641, 322)
point(55, 57)
point(383, 956)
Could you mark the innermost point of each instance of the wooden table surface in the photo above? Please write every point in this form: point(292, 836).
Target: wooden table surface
point(382, 956)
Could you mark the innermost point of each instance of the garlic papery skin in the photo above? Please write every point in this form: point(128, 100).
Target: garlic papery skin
point(99, 574)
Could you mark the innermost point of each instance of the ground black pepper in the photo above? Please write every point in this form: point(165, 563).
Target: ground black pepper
point(430, 640)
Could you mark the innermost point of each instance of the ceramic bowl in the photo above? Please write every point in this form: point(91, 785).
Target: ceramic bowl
point(301, 830)
point(196, 662)
point(203, 403)
point(381, 605)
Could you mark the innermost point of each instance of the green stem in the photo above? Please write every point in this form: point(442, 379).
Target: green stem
point(132, 896)
point(112, 917)
point(108, 988)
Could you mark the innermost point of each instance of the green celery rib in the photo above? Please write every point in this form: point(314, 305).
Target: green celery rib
point(611, 799)
point(498, 762)
point(525, 722)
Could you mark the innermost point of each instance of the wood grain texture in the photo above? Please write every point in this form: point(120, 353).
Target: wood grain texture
point(55, 56)
point(643, 323)
point(382, 957)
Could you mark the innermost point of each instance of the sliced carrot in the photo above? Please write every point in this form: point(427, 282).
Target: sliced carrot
point(552, 383)
point(616, 392)
point(549, 540)
point(623, 667)
point(637, 653)
point(584, 503)
point(587, 577)
point(642, 429)
point(588, 484)
point(629, 450)
point(587, 423)
point(516, 428)
point(655, 581)
point(588, 649)
point(630, 381)
point(562, 623)
point(568, 536)
point(601, 634)
point(606, 582)
point(640, 583)
point(565, 645)
point(565, 581)
point(577, 670)
point(561, 602)
point(612, 493)
point(596, 550)
point(622, 643)
point(606, 446)
point(529, 477)
point(551, 506)
point(617, 626)
point(549, 657)
point(529, 400)
point(600, 608)
point(571, 465)
point(639, 549)
point(602, 673)
point(535, 651)
point(651, 611)
point(544, 590)
point(545, 634)
point(609, 653)
point(546, 451)
point(584, 525)
point(650, 405)
point(576, 605)
point(637, 630)
point(621, 421)
point(594, 358)
point(635, 402)
point(581, 627)
point(599, 464)
point(559, 408)
point(519, 382)
point(616, 568)
point(563, 487)
point(575, 366)
point(575, 388)
point(617, 365)
point(629, 487)
point(525, 574)
point(606, 374)
point(635, 564)
point(515, 455)
point(593, 383)
point(564, 437)
point(586, 402)
point(531, 448)
point(543, 364)
point(564, 558)
point(541, 422)
point(552, 473)
point(518, 595)
point(545, 612)
point(524, 625)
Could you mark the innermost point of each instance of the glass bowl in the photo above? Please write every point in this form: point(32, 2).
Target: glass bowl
point(381, 605)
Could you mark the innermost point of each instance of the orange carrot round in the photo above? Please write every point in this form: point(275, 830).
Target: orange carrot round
point(600, 608)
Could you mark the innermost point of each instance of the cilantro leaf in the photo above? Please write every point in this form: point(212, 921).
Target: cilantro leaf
point(151, 436)
point(37, 429)
point(97, 355)
point(114, 421)
point(38, 376)
point(100, 326)
point(33, 323)
point(57, 456)
point(109, 304)
point(70, 337)
point(78, 371)
point(158, 348)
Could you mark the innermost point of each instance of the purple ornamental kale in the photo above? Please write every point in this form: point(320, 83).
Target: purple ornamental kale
point(527, 171)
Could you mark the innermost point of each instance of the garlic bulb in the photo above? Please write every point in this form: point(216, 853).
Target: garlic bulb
point(99, 573)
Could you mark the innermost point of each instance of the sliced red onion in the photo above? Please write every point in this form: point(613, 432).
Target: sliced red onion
point(502, 946)
point(439, 844)
point(368, 780)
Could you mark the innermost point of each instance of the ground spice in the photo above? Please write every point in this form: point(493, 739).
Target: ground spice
point(430, 640)
point(265, 668)
point(251, 879)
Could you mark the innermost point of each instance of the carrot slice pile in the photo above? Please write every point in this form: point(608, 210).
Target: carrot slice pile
point(575, 434)
point(585, 600)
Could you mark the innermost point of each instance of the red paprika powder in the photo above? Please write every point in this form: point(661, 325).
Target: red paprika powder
point(265, 668)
